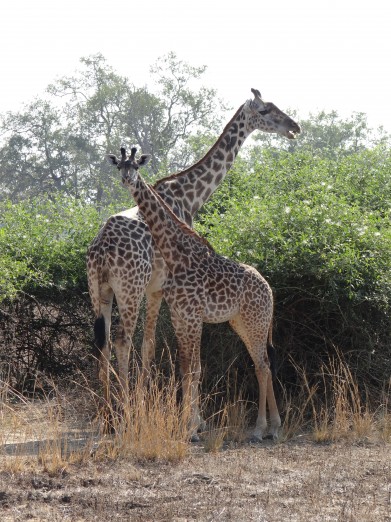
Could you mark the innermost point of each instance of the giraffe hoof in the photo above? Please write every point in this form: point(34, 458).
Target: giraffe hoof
point(195, 438)
point(254, 439)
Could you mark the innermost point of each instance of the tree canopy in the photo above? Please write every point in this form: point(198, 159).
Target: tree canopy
point(57, 145)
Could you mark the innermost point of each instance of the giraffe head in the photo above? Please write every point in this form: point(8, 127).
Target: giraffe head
point(128, 167)
point(267, 117)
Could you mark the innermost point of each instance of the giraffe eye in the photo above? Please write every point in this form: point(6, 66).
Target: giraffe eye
point(266, 111)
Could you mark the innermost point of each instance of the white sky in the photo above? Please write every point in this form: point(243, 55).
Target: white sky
point(305, 54)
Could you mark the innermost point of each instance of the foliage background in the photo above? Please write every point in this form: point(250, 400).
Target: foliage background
point(313, 216)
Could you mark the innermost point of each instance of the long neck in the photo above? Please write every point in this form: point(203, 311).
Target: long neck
point(192, 187)
point(175, 240)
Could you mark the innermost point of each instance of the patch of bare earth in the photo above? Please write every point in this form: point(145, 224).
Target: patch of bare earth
point(295, 481)
point(56, 465)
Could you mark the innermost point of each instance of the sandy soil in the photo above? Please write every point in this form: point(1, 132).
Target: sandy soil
point(294, 481)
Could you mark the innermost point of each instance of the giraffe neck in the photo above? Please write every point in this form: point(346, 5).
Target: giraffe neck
point(173, 237)
point(192, 187)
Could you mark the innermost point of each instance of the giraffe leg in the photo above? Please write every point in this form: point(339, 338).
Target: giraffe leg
point(102, 338)
point(190, 366)
point(275, 420)
point(104, 376)
point(154, 300)
point(188, 334)
point(255, 339)
point(263, 375)
point(128, 310)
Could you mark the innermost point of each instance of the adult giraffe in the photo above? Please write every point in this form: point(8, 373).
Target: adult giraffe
point(203, 286)
point(123, 261)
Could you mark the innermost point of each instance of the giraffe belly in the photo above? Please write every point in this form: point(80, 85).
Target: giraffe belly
point(219, 311)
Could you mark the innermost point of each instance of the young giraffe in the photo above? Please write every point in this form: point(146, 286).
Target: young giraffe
point(123, 260)
point(203, 286)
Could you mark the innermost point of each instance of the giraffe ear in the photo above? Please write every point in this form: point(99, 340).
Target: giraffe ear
point(254, 105)
point(112, 159)
point(256, 93)
point(144, 159)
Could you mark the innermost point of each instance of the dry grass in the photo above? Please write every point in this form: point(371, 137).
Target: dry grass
point(61, 432)
point(61, 464)
point(45, 433)
point(340, 409)
point(153, 426)
point(230, 423)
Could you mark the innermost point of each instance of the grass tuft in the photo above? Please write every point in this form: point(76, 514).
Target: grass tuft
point(57, 430)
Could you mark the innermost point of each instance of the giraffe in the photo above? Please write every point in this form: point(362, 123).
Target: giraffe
point(123, 261)
point(203, 286)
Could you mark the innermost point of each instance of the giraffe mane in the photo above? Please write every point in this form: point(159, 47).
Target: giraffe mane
point(209, 153)
point(181, 224)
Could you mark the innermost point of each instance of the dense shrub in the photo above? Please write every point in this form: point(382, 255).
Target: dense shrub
point(317, 228)
point(319, 231)
point(45, 313)
point(43, 245)
point(44, 336)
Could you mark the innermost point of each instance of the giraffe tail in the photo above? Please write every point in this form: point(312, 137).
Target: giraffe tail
point(99, 335)
point(271, 353)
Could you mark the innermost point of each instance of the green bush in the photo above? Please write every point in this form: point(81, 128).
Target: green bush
point(43, 245)
point(317, 228)
point(319, 231)
point(45, 315)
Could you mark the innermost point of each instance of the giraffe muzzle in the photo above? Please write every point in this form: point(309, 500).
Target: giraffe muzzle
point(293, 132)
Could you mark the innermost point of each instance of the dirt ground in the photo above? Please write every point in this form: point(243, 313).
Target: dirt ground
point(292, 481)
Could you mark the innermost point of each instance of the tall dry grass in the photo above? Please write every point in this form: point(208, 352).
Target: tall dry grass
point(58, 429)
point(153, 426)
point(337, 407)
point(229, 424)
point(42, 432)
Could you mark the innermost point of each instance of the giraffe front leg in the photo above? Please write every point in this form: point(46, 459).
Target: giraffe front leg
point(153, 304)
point(191, 373)
point(188, 334)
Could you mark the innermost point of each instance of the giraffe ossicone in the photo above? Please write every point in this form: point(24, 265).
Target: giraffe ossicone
point(123, 260)
point(203, 286)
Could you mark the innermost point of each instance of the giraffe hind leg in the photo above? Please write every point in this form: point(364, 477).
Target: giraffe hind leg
point(128, 310)
point(102, 346)
point(255, 340)
point(102, 354)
